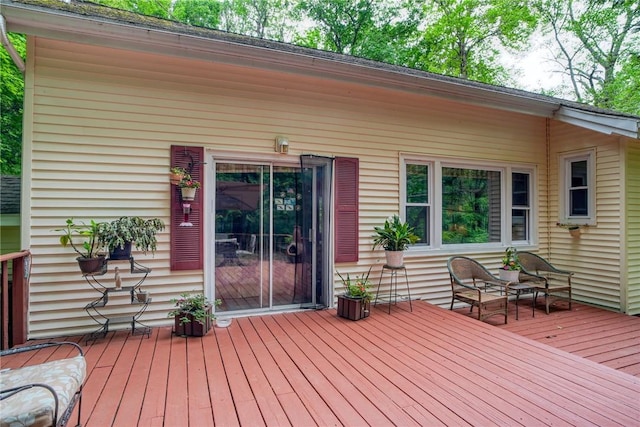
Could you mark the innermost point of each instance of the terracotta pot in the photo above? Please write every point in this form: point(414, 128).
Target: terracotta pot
point(175, 178)
point(394, 258)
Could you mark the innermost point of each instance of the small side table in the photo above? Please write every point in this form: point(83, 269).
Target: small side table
point(393, 296)
point(524, 288)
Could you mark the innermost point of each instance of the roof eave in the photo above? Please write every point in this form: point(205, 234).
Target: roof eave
point(64, 25)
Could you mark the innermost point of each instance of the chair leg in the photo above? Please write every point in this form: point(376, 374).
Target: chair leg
point(546, 301)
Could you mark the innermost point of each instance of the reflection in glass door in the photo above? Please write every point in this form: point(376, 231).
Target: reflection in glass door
point(265, 254)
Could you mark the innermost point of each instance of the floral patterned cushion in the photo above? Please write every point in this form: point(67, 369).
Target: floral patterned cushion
point(36, 406)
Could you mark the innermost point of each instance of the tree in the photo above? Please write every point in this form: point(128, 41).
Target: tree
point(200, 13)
point(597, 45)
point(12, 92)
point(463, 38)
point(258, 18)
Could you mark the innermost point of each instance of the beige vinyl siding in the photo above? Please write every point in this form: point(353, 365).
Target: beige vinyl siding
point(104, 121)
point(595, 256)
point(633, 227)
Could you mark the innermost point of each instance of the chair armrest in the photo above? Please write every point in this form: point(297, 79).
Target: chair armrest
point(5, 394)
point(35, 347)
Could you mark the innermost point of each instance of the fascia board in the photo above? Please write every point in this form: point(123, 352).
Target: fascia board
point(599, 122)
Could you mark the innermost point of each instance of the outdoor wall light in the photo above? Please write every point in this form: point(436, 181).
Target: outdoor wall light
point(282, 145)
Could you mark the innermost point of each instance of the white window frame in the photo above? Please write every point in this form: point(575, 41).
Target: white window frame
point(435, 189)
point(564, 170)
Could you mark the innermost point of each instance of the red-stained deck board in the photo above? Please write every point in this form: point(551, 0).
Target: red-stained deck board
point(329, 392)
point(317, 408)
point(224, 411)
point(342, 361)
point(153, 405)
point(428, 354)
point(427, 367)
point(270, 408)
point(200, 410)
point(104, 410)
point(244, 399)
point(136, 387)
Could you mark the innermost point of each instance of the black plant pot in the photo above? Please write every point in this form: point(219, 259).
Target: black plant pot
point(121, 253)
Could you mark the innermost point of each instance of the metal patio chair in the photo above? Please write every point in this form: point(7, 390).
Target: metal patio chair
point(473, 284)
point(553, 281)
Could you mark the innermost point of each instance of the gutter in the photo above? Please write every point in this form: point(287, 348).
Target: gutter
point(17, 59)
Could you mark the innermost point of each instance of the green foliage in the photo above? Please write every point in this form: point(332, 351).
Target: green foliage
point(89, 235)
point(117, 233)
point(395, 235)
point(358, 287)
point(11, 100)
point(194, 304)
point(597, 42)
point(200, 13)
point(463, 38)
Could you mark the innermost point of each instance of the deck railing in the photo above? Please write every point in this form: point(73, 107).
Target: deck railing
point(14, 296)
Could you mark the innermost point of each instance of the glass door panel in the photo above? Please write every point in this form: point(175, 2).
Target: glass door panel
point(242, 267)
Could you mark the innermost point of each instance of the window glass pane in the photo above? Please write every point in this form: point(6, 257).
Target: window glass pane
point(418, 217)
point(417, 183)
point(579, 174)
point(520, 184)
point(519, 224)
point(578, 202)
point(471, 208)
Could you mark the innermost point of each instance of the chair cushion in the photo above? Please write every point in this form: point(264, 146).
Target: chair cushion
point(36, 406)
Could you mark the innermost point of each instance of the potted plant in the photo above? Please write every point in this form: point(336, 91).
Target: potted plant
point(395, 237)
point(85, 241)
point(510, 269)
point(354, 304)
point(176, 175)
point(188, 187)
point(192, 315)
point(119, 234)
point(574, 229)
point(142, 296)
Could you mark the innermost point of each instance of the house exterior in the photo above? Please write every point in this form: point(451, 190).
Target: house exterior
point(300, 154)
point(9, 214)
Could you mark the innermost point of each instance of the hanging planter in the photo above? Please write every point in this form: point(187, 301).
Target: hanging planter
point(188, 194)
point(188, 187)
point(176, 175)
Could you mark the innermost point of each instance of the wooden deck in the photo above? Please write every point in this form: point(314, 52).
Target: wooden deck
point(429, 367)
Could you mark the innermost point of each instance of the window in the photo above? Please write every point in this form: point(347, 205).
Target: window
point(454, 204)
point(418, 206)
point(577, 179)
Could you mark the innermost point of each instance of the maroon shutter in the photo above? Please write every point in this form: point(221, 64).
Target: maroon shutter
point(186, 242)
point(346, 210)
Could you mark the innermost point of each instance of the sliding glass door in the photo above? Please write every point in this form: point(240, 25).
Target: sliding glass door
point(267, 237)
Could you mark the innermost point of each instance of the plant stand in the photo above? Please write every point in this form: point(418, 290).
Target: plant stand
point(193, 328)
point(353, 308)
point(95, 309)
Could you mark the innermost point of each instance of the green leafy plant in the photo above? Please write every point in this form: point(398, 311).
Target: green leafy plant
point(510, 260)
point(188, 182)
point(119, 232)
point(357, 287)
point(83, 238)
point(395, 235)
point(194, 304)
